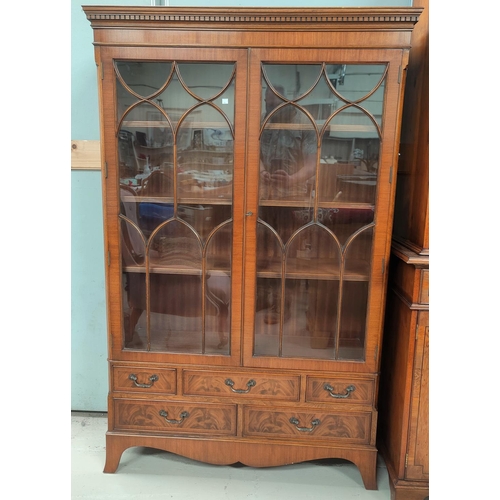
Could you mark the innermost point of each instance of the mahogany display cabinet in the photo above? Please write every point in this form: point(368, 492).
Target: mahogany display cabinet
point(249, 161)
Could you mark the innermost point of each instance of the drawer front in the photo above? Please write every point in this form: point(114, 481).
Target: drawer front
point(307, 424)
point(175, 417)
point(144, 380)
point(340, 390)
point(253, 385)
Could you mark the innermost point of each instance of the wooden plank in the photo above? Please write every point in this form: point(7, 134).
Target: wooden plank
point(85, 155)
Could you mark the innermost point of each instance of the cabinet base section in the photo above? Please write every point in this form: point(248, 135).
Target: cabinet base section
point(252, 454)
point(408, 490)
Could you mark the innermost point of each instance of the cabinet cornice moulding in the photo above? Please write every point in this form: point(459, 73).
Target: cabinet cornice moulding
point(339, 18)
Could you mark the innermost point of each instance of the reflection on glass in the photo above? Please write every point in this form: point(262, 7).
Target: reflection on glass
point(218, 290)
point(205, 155)
point(288, 148)
point(176, 251)
point(143, 78)
point(319, 150)
point(176, 245)
point(134, 304)
point(175, 313)
point(202, 81)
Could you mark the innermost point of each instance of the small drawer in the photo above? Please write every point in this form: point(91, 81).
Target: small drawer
point(307, 424)
point(130, 378)
point(242, 384)
point(349, 390)
point(175, 417)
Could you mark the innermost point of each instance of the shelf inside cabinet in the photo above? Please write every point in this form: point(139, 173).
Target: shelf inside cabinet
point(354, 130)
point(164, 123)
point(178, 269)
point(302, 203)
point(308, 269)
point(170, 200)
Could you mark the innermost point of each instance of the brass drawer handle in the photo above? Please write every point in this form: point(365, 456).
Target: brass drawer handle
point(314, 423)
point(152, 379)
point(183, 415)
point(348, 390)
point(250, 384)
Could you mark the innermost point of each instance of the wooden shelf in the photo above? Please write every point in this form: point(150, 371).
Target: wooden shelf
point(358, 271)
point(301, 203)
point(164, 123)
point(181, 269)
point(181, 201)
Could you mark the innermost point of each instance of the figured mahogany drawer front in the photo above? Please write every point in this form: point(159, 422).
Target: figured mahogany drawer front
point(309, 425)
point(175, 417)
point(339, 390)
point(252, 385)
point(144, 379)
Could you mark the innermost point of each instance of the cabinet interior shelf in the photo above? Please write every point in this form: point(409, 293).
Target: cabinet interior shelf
point(356, 272)
point(308, 269)
point(185, 270)
point(227, 201)
point(270, 126)
point(170, 200)
point(164, 123)
point(295, 203)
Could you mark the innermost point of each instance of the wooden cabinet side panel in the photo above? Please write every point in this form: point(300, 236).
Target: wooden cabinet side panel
point(395, 381)
point(412, 201)
point(418, 445)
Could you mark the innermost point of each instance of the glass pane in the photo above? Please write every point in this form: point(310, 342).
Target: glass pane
point(316, 213)
point(354, 82)
point(175, 245)
point(175, 100)
point(320, 300)
point(267, 317)
point(176, 251)
point(206, 80)
point(290, 81)
point(142, 77)
point(349, 174)
point(134, 307)
point(145, 145)
point(353, 320)
point(218, 290)
point(175, 313)
point(205, 155)
point(288, 147)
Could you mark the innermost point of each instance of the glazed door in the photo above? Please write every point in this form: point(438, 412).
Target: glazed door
point(179, 160)
point(322, 144)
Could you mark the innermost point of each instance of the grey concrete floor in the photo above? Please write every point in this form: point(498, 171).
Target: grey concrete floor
point(145, 473)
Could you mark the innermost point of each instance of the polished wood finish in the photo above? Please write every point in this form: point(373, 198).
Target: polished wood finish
point(404, 386)
point(411, 218)
point(235, 390)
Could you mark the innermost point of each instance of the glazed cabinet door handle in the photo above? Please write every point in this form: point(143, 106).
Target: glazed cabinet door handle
point(314, 423)
point(152, 379)
point(183, 416)
point(328, 388)
point(251, 383)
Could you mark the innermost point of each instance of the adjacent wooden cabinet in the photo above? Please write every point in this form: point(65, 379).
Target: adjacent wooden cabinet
point(249, 163)
point(403, 435)
point(404, 387)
